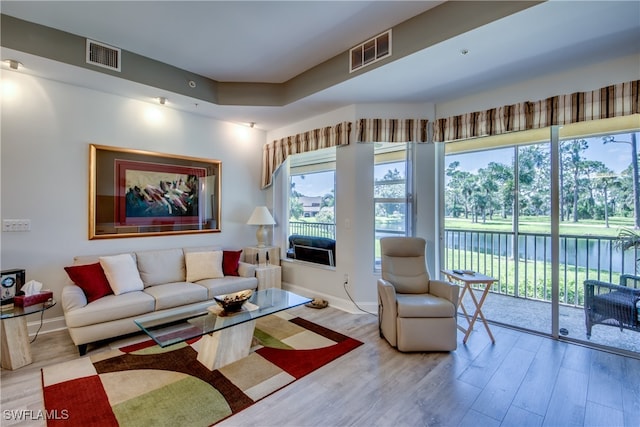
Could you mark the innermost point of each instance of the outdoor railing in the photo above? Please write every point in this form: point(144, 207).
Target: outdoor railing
point(524, 270)
point(316, 229)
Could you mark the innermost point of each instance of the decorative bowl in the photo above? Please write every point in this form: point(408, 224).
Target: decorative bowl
point(233, 302)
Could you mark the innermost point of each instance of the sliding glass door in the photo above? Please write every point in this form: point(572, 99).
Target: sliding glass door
point(544, 218)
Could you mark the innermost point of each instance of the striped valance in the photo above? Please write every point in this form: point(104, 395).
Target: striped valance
point(612, 101)
point(392, 130)
point(276, 152)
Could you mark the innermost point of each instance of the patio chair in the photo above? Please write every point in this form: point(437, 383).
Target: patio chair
point(613, 305)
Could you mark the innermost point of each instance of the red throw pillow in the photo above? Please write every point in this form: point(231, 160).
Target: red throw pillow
point(230, 260)
point(91, 279)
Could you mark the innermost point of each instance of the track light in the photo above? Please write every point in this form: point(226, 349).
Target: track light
point(13, 64)
point(162, 100)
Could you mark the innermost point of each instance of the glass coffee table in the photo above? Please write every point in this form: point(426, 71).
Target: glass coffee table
point(226, 337)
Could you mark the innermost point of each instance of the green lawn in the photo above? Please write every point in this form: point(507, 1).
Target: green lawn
point(542, 225)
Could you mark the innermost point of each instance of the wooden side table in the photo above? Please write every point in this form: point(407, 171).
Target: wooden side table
point(269, 276)
point(15, 345)
point(467, 279)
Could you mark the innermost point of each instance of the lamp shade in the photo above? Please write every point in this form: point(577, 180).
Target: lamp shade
point(261, 216)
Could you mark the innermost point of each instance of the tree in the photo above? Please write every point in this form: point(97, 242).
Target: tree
point(295, 206)
point(571, 153)
point(635, 177)
point(391, 186)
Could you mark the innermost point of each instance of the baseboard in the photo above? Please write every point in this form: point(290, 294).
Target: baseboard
point(48, 325)
point(343, 304)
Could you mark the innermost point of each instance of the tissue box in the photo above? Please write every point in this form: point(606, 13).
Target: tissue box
point(27, 300)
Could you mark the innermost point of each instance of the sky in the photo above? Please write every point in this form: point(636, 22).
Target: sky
point(616, 157)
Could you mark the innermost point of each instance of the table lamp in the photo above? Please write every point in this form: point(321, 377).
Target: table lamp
point(261, 217)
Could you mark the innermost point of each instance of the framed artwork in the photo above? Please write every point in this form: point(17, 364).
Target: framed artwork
point(11, 281)
point(141, 193)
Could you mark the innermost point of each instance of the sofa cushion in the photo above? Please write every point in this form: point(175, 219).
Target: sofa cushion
point(161, 266)
point(203, 265)
point(122, 273)
point(230, 261)
point(227, 285)
point(424, 305)
point(91, 279)
point(172, 295)
point(110, 307)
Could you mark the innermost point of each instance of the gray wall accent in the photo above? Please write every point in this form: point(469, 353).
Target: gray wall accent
point(422, 31)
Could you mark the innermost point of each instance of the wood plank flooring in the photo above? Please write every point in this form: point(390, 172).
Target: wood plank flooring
point(521, 380)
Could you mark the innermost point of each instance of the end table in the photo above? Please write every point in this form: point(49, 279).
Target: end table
point(467, 279)
point(16, 348)
point(269, 276)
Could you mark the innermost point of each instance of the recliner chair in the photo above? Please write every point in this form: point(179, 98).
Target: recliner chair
point(415, 312)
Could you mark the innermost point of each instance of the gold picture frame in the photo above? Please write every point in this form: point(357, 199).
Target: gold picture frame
point(135, 193)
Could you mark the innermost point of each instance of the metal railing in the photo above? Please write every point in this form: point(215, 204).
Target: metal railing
point(315, 229)
point(523, 270)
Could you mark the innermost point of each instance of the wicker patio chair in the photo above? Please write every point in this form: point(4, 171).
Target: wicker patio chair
point(613, 305)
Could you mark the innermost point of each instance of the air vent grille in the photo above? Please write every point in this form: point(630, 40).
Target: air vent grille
point(370, 51)
point(103, 55)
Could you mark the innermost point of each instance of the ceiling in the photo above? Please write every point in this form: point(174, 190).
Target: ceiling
point(272, 42)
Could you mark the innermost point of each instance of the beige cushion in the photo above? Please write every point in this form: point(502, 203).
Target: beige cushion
point(228, 285)
point(161, 266)
point(424, 305)
point(109, 308)
point(122, 273)
point(203, 265)
point(403, 264)
point(172, 295)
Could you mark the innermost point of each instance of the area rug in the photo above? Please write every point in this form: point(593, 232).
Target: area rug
point(145, 385)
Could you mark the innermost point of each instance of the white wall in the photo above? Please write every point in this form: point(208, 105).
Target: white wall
point(46, 130)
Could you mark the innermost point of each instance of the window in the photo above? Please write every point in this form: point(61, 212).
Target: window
point(392, 195)
point(312, 227)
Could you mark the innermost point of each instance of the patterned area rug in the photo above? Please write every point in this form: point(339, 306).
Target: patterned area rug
point(145, 385)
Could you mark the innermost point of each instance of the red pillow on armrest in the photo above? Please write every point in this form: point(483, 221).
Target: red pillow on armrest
point(230, 260)
point(91, 279)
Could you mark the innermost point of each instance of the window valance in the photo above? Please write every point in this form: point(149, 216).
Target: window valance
point(612, 101)
point(276, 152)
point(392, 130)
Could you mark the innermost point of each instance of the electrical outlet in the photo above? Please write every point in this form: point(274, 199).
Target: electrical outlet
point(346, 278)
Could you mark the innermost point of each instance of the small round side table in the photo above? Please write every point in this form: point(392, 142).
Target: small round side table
point(16, 348)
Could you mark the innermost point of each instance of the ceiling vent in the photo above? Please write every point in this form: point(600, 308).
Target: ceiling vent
point(370, 51)
point(103, 55)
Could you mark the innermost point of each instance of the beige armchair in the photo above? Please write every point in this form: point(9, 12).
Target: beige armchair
point(415, 312)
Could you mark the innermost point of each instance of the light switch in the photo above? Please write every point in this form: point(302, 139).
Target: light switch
point(16, 225)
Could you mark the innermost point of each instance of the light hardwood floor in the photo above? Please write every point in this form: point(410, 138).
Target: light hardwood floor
point(521, 380)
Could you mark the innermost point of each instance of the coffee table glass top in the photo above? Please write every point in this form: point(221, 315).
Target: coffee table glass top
point(9, 311)
point(175, 326)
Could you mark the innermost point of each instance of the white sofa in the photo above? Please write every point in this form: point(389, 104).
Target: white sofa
point(164, 287)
